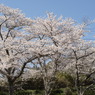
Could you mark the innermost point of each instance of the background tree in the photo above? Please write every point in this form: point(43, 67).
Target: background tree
point(55, 37)
point(82, 66)
point(14, 48)
point(38, 41)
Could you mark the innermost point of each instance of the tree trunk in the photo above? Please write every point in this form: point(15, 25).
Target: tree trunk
point(47, 87)
point(81, 93)
point(11, 88)
point(46, 92)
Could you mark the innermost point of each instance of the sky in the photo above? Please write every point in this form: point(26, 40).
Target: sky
point(76, 9)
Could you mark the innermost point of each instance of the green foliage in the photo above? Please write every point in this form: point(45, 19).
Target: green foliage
point(3, 93)
point(38, 92)
point(64, 86)
point(34, 84)
point(90, 92)
point(64, 80)
point(67, 91)
point(24, 92)
point(57, 92)
point(29, 92)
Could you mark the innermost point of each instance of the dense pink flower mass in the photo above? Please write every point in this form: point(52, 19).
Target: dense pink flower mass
point(24, 40)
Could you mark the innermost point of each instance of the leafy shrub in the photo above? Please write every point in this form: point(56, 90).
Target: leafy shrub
point(25, 92)
point(38, 92)
point(3, 93)
point(90, 92)
point(33, 84)
point(57, 92)
point(67, 91)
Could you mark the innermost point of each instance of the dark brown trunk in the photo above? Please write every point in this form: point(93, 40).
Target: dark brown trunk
point(11, 88)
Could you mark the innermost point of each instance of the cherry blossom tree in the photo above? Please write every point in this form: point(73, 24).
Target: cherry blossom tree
point(23, 40)
point(53, 36)
point(14, 48)
point(81, 66)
